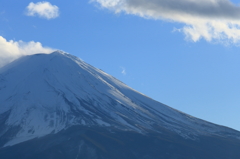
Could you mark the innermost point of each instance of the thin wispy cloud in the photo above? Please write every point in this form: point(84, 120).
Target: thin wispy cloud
point(11, 50)
point(123, 71)
point(42, 9)
point(212, 20)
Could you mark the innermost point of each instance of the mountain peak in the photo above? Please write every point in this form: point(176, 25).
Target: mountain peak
point(45, 93)
point(58, 52)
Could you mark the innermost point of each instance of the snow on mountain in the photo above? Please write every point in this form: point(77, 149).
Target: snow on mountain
point(46, 93)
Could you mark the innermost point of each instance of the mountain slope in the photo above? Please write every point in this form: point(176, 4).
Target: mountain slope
point(81, 142)
point(47, 94)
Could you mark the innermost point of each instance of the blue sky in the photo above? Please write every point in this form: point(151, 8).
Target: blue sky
point(183, 54)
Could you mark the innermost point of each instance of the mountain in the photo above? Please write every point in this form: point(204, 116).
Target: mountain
point(57, 106)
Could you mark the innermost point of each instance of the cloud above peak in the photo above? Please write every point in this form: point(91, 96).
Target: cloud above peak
point(123, 71)
point(43, 9)
point(212, 20)
point(11, 50)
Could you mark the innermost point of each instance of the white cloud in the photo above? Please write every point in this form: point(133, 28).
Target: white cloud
point(43, 9)
point(11, 50)
point(213, 20)
point(123, 71)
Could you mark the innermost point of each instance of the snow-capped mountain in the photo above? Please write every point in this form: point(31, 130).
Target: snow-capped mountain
point(45, 94)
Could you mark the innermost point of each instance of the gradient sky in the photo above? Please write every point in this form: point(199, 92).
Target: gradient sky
point(185, 54)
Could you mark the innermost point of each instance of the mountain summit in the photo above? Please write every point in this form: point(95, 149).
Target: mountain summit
point(55, 98)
